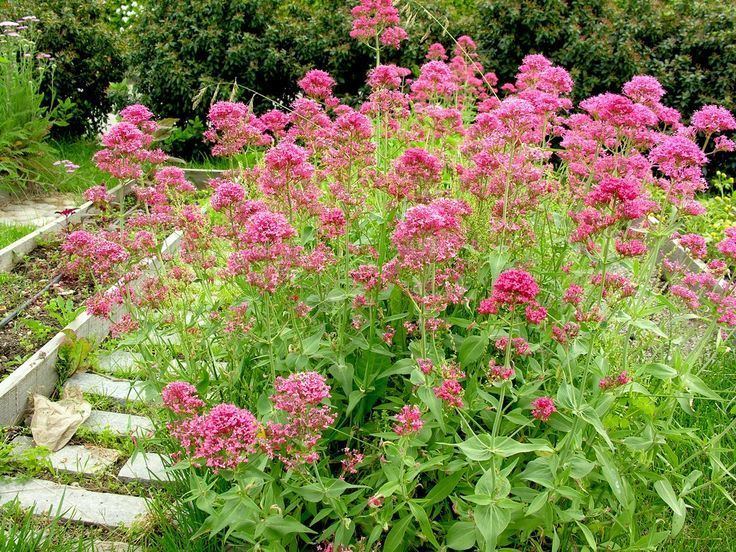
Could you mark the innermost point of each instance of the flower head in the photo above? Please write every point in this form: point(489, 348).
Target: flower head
point(408, 420)
point(543, 408)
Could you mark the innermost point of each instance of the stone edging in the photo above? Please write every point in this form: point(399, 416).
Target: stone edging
point(38, 373)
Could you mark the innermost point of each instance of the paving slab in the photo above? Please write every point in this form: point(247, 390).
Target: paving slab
point(146, 467)
point(36, 211)
point(77, 459)
point(118, 424)
point(120, 390)
point(74, 503)
point(119, 361)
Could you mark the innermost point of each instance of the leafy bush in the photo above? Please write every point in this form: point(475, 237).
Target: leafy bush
point(88, 57)
point(264, 45)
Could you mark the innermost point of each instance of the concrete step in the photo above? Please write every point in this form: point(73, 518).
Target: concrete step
point(146, 467)
point(119, 424)
point(77, 459)
point(74, 503)
point(122, 391)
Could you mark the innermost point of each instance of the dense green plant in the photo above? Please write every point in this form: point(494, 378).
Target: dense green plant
point(88, 56)
point(26, 158)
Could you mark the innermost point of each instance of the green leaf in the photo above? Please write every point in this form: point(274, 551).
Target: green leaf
point(491, 521)
point(610, 472)
point(353, 400)
point(396, 538)
point(427, 396)
point(472, 349)
point(667, 493)
point(588, 535)
point(311, 343)
point(589, 414)
point(443, 488)
point(421, 516)
point(659, 370)
point(312, 492)
point(649, 326)
point(400, 367)
point(483, 447)
point(336, 487)
point(492, 484)
point(697, 385)
point(286, 526)
point(461, 535)
point(538, 503)
point(568, 397)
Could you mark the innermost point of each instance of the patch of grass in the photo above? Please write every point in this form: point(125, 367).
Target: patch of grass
point(105, 439)
point(12, 232)
point(175, 523)
point(21, 531)
point(101, 402)
point(80, 153)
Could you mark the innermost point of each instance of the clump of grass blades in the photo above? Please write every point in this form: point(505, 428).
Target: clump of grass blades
point(20, 532)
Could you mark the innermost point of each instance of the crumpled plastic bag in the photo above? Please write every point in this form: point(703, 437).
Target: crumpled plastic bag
point(54, 423)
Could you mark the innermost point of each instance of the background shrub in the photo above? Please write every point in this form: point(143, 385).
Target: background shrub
point(182, 46)
point(264, 45)
point(689, 45)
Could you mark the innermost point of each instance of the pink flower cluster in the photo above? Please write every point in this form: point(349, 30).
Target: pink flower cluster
point(174, 178)
point(377, 19)
point(543, 408)
point(94, 254)
point(449, 390)
point(222, 438)
point(233, 126)
point(318, 84)
point(617, 381)
point(431, 233)
point(99, 196)
point(225, 436)
point(127, 145)
point(515, 288)
point(408, 420)
point(499, 372)
point(181, 398)
point(414, 176)
point(299, 396)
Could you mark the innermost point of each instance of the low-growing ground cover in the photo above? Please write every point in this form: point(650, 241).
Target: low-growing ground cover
point(457, 316)
point(12, 232)
point(86, 175)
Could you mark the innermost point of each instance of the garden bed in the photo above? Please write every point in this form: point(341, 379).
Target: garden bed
point(38, 373)
point(52, 301)
point(39, 296)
